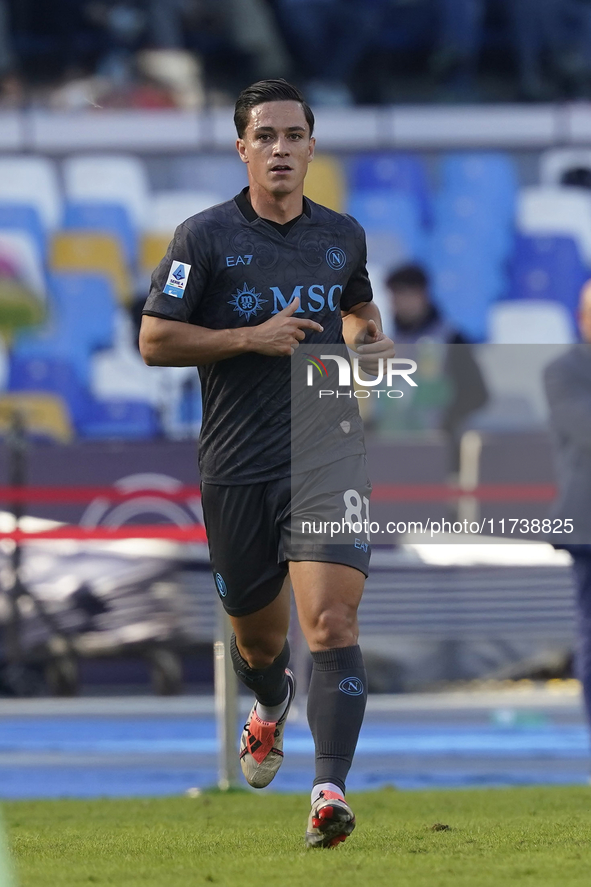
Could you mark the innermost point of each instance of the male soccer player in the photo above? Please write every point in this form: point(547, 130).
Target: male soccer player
point(242, 286)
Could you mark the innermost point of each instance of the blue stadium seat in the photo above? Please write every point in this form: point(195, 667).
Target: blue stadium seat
point(107, 218)
point(392, 171)
point(390, 213)
point(119, 419)
point(479, 220)
point(465, 290)
point(82, 320)
point(489, 175)
point(54, 374)
point(547, 268)
point(22, 216)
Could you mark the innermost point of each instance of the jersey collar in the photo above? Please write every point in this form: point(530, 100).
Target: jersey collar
point(245, 206)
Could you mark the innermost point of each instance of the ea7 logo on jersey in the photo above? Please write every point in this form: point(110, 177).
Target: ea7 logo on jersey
point(231, 261)
point(177, 280)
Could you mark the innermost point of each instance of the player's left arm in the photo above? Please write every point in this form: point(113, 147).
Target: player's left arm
point(362, 331)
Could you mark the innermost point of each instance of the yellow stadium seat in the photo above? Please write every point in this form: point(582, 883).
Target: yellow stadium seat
point(325, 182)
point(43, 413)
point(93, 253)
point(152, 249)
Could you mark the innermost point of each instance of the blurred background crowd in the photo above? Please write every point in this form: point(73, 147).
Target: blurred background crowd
point(191, 53)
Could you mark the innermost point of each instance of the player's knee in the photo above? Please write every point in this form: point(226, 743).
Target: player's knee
point(261, 653)
point(334, 627)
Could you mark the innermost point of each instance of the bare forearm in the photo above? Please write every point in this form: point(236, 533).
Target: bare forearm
point(172, 343)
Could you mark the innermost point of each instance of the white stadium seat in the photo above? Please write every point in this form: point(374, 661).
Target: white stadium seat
point(554, 163)
point(169, 208)
point(20, 249)
point(530, 322)
point(555, 210)
point(109, 178)
point(33, 181)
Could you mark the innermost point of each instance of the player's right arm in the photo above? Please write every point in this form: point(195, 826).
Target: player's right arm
point(165, 342)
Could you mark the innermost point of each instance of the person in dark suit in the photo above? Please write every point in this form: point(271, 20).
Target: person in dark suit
point(568, 390)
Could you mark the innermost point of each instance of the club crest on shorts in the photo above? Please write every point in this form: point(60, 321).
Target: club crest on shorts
point(220, 584)
point(177, 279)
point(351, 686)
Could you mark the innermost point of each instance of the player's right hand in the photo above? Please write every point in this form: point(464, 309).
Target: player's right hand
point(281, 335)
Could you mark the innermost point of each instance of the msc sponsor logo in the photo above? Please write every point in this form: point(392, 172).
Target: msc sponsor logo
point(351, 686)
point(247, 302)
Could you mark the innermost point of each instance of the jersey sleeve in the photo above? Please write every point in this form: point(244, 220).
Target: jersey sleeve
point(358, 288)
point(179, 280)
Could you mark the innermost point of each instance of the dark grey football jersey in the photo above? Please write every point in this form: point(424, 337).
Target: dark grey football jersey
point(227, 268)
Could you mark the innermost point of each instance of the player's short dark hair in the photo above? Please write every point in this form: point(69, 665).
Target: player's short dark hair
point(268, 91)
point(410, 275)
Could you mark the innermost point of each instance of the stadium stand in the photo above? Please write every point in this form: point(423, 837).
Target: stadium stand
point(530, 322)
point(393, 225)
point(45, 415)
point(26, 218)
point(325, 182)
point(385, 172)
point(32, 181)
point(112, 178)
point(20, 249)
point(553, 210)
point(103, 218)
point(152, 249)
point(547, 268)
point(169, 208)
point(558, 162)
point(94, 254)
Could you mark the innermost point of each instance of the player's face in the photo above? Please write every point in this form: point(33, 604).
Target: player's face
point(277, 146)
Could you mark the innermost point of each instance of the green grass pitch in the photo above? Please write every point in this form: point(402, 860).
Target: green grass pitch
point(476, 838)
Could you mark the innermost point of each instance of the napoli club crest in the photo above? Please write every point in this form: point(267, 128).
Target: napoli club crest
point(336, 258)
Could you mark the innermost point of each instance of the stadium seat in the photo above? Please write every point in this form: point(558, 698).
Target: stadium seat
point(116, 178)
point(325, 182)
point(120, 372)
point(392, 171)
point(530, 323)
point(558, 161)
point(22, 251)
point(118, 419)
point(104, 218)
point(485, 175)
point(152, 250)
point(547, 268)
point(25, 217)
point(81, 322)
point(394, 214)
point(57, 376)
point(169, 208)
point(95, 254)
point(483, 226)
point(465, 290)
point(553, 210)
point(32, 181)
point(45, 415)
point(221, 173)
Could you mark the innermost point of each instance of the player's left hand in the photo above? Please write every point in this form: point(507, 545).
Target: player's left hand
point(371, 346)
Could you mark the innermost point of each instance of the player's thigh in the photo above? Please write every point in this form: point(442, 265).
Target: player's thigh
point(244, 541)
point(327, 597)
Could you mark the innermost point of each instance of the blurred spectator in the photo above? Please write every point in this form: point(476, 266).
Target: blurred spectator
point(328, 39)
point(459, 43)
point(559, 30)
point(450, 378)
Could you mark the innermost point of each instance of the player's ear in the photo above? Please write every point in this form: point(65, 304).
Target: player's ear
point(241, 148)
point(311, 149)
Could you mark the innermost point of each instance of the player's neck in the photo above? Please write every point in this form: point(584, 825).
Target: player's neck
point(280, 208)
